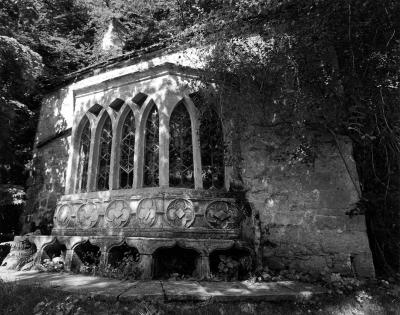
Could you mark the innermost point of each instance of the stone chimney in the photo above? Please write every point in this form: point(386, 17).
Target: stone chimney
point(113, 39)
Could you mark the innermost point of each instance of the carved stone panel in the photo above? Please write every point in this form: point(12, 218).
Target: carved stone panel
point(117, 213)
point(222, 215)
point(63, 215)
point(180, 213)
point(147, 212)
point(87, 215)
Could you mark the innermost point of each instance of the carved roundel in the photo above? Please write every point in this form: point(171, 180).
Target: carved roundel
point(117, 213)
point(147, 212)
point(87, 215)
point(222, 215)
point(63, 216)
point(180, 213)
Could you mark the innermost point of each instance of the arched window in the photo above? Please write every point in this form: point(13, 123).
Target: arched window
point(127, 148)
point(103, 174)
point(151, 171)
point(180, 149)
point(83, 164)
point(212, 148)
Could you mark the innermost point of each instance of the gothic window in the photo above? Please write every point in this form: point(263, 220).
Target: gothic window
point(127, 152)
point(83, 164)
point(212, 149)
point(104, 155)
point(180, 149)
point(151, 171)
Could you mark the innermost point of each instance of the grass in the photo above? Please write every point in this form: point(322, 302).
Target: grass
point(376, 298)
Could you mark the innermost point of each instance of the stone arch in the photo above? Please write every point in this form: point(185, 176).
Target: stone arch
point(82, 167)
point(85, 257)
point(181, 161)
point(232, 263)
point(121, 250)
point(53, 250)
point(212, 146)
point(102, 138)
point(150, 133)
point(128, 108)
point(168, 260)
point(139, 99)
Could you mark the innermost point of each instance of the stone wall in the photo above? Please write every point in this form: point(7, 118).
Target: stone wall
point(299, 204)
point(47, 181)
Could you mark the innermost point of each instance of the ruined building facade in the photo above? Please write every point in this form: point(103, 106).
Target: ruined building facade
point(130, 154)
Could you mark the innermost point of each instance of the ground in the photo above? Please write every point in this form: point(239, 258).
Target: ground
point(18, 297)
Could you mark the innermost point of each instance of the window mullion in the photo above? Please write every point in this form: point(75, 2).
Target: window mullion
point(164, 138)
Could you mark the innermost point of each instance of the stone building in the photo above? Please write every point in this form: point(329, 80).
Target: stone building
point(128, 153)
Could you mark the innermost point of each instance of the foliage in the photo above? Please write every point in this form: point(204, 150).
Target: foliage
point(52, 265)
point(19, 68)
point(126, 268)
point(233, 268)
point(4, 250)
point(89, 258)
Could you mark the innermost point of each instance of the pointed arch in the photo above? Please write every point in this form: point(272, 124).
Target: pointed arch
point(151, 148)
point(81, 183)
point(119, 180)
point(127, 151)
point(181, 170)
point(104, 155)
point(212, 147)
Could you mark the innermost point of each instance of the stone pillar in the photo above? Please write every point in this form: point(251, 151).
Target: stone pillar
point(203, 267)
point(38, 258)
point(68, 259)
point(163, 167)
point(146, 265)
point(103, 259)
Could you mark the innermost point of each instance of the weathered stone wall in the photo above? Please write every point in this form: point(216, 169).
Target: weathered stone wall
point(299, 204)
point(47, 181)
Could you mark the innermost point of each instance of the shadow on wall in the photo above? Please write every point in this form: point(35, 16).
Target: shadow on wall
point(47, 175)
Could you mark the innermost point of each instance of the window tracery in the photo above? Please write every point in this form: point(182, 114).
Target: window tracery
point(151, 156)
point(83, 164)
point(180, 149)
point(104, 155)
point(212, 149)
point(127, 151)
point(191, 164)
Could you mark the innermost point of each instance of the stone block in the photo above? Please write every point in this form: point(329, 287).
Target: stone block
point(313, 264)
point(342, 263)
point(147, 290)
point(363, 265)
point(340, 241)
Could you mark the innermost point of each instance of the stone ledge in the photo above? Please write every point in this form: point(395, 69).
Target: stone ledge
point(165, 291)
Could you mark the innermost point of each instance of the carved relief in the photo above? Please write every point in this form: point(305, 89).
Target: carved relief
point(117, 213)
point(180, 213)
point(147, 212)
point(63, 215)
point(222, 215)
point(87, 215)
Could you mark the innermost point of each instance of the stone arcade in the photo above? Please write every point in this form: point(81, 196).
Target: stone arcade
point(123, 157)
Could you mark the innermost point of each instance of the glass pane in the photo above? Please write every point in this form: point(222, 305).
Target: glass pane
point(104, 155)
point(151, 149)
point(212, 149)
point(127, 152)
point(180, 149)
point(83, 164)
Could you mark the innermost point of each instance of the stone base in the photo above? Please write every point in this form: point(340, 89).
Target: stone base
point(145, 246)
